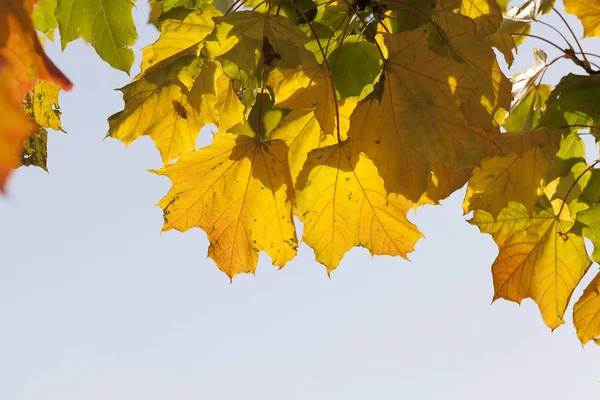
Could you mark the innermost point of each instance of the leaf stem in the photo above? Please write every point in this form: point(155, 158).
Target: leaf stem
point(337, 110)
point(556, 30)
point(580, 126)
point(540, 38)
point(572, 33)
point(543, 72)
point(569, 53)
point(339, 50)
point(258, 124)
point(333, 34)
point(232, 6)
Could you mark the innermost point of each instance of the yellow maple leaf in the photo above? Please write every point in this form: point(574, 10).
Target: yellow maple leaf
point(538, 257)
point(179, 37)
point(239, 191)
point(519, 174)
point(342, 203)
point(586, 313)
point(22, 63)
point(588, 11)
point(419, 119)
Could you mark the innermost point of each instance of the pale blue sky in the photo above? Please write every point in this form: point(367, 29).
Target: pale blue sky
point(95, 304)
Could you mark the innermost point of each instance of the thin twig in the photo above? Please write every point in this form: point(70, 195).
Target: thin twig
point(556, 30)
point(572, 33)
point(337, 110)
point(580, 126)
point(539, 38)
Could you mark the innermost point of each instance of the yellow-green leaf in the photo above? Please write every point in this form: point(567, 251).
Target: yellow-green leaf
point(538, 258)
point(530, 111)
point(107, 25)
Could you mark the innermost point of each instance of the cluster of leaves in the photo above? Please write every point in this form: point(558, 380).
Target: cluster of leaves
point(347, 114)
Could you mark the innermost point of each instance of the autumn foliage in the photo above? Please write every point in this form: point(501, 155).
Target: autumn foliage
point(344, 115)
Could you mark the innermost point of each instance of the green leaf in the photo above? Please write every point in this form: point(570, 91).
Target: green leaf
point(44, 19)
point(106, 24)
point(529, 111)
point(570, 153)
point(591, 219)
point(574, 101)
point(355, 67)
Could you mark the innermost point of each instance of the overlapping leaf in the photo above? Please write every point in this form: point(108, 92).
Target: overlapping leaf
point(466, 47)
point(308, 87)
point(516, 23)
point(178, 91)
point(574, 101)
point(518, 174)
point(246, 41)
point(529, 98)
point(301, 131)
